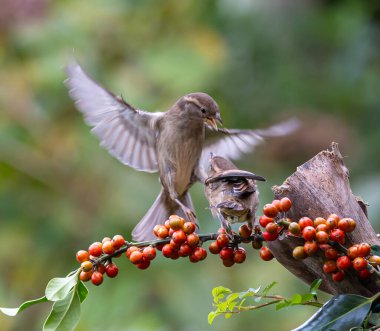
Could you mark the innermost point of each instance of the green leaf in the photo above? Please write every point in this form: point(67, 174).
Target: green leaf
point(59, 288)
point(265, 291)
point(375, 250)
point(315, 286)
point(219, 293)
point(342, 312)
point(65, 314)
point(82, 291)
point(374, 319)
point(26, 304)
point(282, 304)
point(307, 297)
point(211, 317)
point(228, 315)
point(296, 299)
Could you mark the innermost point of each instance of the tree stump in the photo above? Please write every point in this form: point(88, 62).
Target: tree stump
point(320, 187)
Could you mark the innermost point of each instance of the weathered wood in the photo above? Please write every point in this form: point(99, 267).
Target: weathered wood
point(318, 188)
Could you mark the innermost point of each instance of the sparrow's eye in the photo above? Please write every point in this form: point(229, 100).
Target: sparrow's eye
point(203, 110)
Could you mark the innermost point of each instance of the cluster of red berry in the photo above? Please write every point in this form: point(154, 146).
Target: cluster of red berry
point(95, 271)
point(229, 252)
point(274, 222)
point(322, 234)
point(184, 242)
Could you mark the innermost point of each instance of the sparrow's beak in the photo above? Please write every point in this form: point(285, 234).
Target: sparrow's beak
point(210, 121)
point(218, 118)
point(213, 121)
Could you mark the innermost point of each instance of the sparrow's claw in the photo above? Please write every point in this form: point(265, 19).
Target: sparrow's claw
point(190, 215)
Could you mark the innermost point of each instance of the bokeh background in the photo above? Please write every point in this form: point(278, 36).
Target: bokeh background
point(263, 61)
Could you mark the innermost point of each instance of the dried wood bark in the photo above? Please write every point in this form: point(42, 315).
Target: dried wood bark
point(320, 187)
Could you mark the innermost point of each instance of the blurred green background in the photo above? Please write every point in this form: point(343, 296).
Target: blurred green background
point(262, 61)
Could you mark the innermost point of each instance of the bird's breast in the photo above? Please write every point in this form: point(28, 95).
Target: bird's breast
point(179, 149)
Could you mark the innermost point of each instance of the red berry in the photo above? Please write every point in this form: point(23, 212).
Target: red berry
point(85, 276)
point(308, 233)
point(374, 260)
point(337, 235)
point(364, 249)
point(136, 257)
point(174, 255)
point(188, 227)
point(214, 248)
point(112, 270)
point(272, 228)
point(101, 268)
point(221, 230)
point(130, 250)
point(332, 221)
point(364, 274)
point(174, 245)
point(360, 263)
point(97, 278)
point(176, 222)
point(199, 253)
point(319, 221)
point(149, 253)
point(82, 256)
point(264, 220)
point(226, 253)
point(324, 247)
point(329, 267)
point(95, 249)
point(239, 255)
point(269, 236)
point(310, 247)
point(144, 264)
point(331, 253)
point(245, 231)
point(257, 244)
point(222, 240)
point(86, 266)
point(338, 276)
point(347, 224)
point(228, 263)
point(155, 229)
point(118, 241)
point(266, 254)
point(304, 222)
point(185, 250)
point(108, 247)
point(343, 262)
point(285, 204)
point(299, 253)
point(322, 227)
point(179, 237)
point(162, 232)
point(277, 204)
point(353, 251)
point(322, 237)
point(167, 250)
point(105, 239)
point(270, 210)
point(193, 239)
point(294, 228)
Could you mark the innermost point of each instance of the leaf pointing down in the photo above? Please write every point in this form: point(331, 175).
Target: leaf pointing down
point(26, 304)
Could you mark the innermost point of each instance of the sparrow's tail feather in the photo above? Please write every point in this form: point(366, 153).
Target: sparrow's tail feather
point(158, 213)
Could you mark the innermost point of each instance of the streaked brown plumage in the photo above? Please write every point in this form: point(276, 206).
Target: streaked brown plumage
point(232, 193)
point(176, 143)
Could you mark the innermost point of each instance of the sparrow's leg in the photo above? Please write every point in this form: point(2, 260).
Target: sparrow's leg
point(190, 215)
point(225, 225)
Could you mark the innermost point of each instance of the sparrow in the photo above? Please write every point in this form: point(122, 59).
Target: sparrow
point(232, 193)
point(176, 143)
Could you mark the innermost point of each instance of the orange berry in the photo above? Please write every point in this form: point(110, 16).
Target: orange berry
point(270, 210)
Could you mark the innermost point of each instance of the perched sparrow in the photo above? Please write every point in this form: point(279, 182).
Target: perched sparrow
point(176, 143)
point(232, 193)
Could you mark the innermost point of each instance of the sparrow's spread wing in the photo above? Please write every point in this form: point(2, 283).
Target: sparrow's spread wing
point(127, 133)
point(232, 144)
